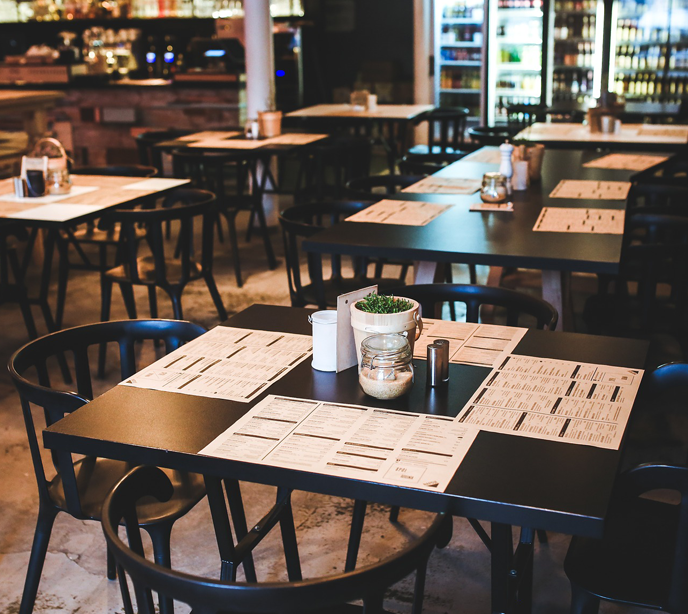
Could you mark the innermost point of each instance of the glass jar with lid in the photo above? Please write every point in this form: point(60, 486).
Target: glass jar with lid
point(494, 188)
point(386, 367)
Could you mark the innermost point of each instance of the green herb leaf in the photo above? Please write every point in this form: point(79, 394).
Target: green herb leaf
point(379, 303)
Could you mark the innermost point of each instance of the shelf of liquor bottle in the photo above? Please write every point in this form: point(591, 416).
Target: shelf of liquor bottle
point(458, 91)
point(582, 13)
point(462, 44)
point(573, 39)
point(516, 67)
point(518, 92)
point(509, 12)
point(460, 63)
point(572, 67)
point(462, 20)
point(639, 42)
point(518, 42)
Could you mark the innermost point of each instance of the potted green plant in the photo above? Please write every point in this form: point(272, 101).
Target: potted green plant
point(377, 313)
point(270, 120)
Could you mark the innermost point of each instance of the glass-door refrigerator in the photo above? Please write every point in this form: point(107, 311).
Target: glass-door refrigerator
point(574, 81)
point(515, 55)
point(460, 56)
point(650, 50)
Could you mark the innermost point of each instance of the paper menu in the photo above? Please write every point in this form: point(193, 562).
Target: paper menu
point(568, 219)
point(296, 138)
point(630, 162)
point(208, 135)
point(484, 345)
point(485, 155)
point(156, 183)
point(236, 364)
point(587, 189)
point(557, 400)
point(444, 185)
point(664, 131)
point(377, 445)
point(229, 143)
point(76, 190)
point(401, 212)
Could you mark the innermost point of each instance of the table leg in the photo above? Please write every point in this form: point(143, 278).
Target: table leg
point(556, 291)
point(502, 559)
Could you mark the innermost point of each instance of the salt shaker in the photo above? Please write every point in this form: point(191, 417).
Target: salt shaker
point(506, 168)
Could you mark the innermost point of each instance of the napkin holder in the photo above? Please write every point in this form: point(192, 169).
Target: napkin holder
point(347, 356)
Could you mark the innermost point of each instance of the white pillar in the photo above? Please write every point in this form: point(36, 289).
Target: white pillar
point(260, 62)
point(422, 50)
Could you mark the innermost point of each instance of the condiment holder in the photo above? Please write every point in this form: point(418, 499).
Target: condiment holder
point(493, 189)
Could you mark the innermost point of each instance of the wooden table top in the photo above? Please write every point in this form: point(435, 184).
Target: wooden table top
point(515, 480)
point(9, 99)
point(383, 111)
point(491, 238)
point(109, 192)
point(666, 136)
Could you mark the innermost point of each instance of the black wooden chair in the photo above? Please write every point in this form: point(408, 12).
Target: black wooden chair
point(642, 558)
point(673, 171)
point(149, 155)
point(88, 236)
point(446, 131)
point(653, 197)
point(302, 221)
point(520, 116)
point(648, 298)
point(516, 304)
point(373, 187)
point(117, 170)
point(489, 135)
point(80, 487)
point(326, 167)
point(427, 164)
point(12, 274)
point(233, 178)
point(169, 267)
point(206, 595)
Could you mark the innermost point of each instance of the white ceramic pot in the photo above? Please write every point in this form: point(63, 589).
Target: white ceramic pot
point(407, 323)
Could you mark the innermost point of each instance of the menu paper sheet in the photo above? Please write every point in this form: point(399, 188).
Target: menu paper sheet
point(626, 162)
point(156, 183)
point(485, 155)
point(664, 131)
point(208, 135)
point(401, 212)
point(444, 185)
point(76, 190)
point(296, 138)
point(377, 445)
point(229, 143)
point(557, 400)
point(587, 189)
point(236, 364)
point(485, 345)
point(594, 221)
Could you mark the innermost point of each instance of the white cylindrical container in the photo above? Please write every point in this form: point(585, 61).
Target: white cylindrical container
point(372, 103)
point(324, 340)
point(520, 180)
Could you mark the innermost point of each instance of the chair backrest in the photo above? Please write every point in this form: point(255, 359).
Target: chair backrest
point(655, 257)
point(647, 478)
point(183, 205)
point(650, 195)
point(446, 128)
point(520, 116)
point(673, 171)
point(474, 297)
point(120, 170)
point(223, 174)
point(148, 155)
point(29, 369)
point(489, 135)
point(302, 221)
point(364, 188)
point(427, 164)
point(208, 596)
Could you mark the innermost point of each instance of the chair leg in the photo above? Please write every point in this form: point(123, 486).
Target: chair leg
point(355, 534)
point(177, 305)
point(472, 274)
point(111, 565)
point(419, 588)
point(105, 302)
point(127, 291)
point(215, 294)
point(153, 301)
point(582, 602)
point(272, 262)
point(62, 279)
point(160, 535)
point(289, 543)
point(542, 536)
point(44, 526)
point(394, 513)
point(236, 507)
point(231, 221)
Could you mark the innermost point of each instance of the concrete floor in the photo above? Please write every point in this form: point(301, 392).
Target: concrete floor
point(74, 575)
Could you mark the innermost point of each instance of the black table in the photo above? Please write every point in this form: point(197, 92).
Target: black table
point(506, 480)
point(498, 239)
